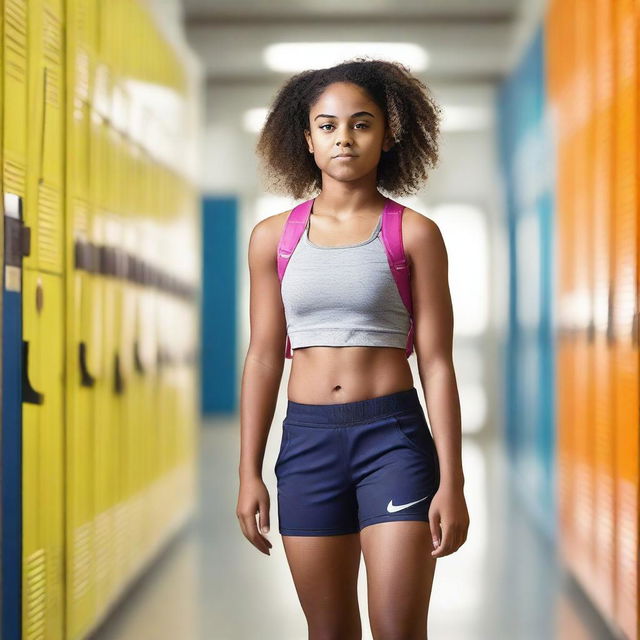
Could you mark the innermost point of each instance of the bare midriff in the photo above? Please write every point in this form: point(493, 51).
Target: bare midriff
point(331, 375)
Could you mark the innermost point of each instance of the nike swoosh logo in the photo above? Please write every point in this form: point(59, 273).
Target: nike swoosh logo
point(392, 508)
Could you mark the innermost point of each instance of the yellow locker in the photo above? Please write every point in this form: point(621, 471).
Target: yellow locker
point(138, 399)
point(52, 427)
point(126, 319)
point(82, 353)
point(34, 552)
point(15, 96)
point(46, 135)
point(103, 291)
point(42, 308)
point(151, 350)
point(115, 360)
point(42, 456)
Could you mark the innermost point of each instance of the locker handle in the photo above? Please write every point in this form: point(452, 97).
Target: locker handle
point(118, 379)
point(86, 379)
point(29, 394)
point(140, 368)
point(610, 328)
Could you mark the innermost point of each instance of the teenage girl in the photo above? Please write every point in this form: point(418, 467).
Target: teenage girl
point(358, 469)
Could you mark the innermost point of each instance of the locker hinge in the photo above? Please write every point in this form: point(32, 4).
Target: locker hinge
point(25, 241)
point(17, 242)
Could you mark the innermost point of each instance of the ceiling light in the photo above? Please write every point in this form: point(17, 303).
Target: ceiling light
point(299, 56)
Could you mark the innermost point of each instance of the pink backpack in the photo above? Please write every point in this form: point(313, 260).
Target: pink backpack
point(391, 234)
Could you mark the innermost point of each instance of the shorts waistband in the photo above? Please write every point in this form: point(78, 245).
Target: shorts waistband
point(352, 412)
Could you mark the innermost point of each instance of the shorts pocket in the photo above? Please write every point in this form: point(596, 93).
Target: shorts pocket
point(284, 443)
point(413, 429)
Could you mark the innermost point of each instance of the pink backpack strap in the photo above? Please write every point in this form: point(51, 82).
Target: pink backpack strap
point(291, 234)
point(391, 234)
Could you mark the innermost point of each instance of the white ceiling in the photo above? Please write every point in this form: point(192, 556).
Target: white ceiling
point(364, 8)
point(468, 41)
point(471, 44)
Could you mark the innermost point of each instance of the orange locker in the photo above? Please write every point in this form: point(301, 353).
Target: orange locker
point(625, 329)
point(581, 98)
point(592, 64)
point(603, 394)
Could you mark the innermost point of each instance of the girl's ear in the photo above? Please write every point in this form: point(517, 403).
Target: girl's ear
point(307, 135)
point(388, 141)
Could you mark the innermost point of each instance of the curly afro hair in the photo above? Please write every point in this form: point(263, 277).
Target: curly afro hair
point(411, 113)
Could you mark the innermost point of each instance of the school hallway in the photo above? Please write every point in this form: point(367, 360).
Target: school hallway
point(133, 178)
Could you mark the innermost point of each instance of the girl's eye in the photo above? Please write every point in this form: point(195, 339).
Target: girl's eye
point(361, 125)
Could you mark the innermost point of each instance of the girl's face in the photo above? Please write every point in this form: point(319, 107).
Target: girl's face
point(347, 132)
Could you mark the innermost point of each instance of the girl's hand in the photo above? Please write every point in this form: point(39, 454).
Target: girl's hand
point(254, 498)
point(448, 511)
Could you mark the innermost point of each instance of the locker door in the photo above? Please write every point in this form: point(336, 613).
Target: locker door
point(118, 361)
point(50, 321)
point(604, 498)
point(35, 510)
point(82, 348)
point(14, 72)
point(560, 62)
point(625, 317)
point(583, 389)
point(105, 417)
point(49, 235)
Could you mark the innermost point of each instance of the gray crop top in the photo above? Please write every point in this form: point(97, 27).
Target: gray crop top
point(343, 296)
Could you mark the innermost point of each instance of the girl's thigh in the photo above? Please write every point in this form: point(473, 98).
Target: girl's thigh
point(400, 572)
point(325, 574)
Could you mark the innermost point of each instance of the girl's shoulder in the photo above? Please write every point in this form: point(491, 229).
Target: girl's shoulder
point(419, 233)
point(266, 233)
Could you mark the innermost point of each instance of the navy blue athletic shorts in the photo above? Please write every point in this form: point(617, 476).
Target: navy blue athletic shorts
point(344, 466)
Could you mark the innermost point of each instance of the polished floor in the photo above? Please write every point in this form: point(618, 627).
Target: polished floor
point(212, 584)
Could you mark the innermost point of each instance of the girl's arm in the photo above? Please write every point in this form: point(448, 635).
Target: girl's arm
point(433, 341)
point(261, 377)
point(264, 361)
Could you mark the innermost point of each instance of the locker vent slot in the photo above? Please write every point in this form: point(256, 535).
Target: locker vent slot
point(81, 560)
point(52, 37)
point(52, 51)
point(49, 227)
point(15, 13)
point(14, 174)
point(35, 584)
